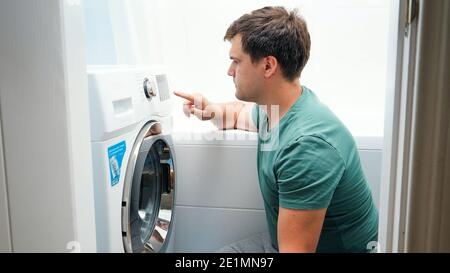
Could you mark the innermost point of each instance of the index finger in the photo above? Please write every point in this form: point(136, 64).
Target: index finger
point(184, 95)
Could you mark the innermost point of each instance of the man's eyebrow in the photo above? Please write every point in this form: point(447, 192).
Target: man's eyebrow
point(234, 58)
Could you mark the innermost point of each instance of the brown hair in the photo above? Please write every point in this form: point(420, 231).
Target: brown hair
point(273, 31)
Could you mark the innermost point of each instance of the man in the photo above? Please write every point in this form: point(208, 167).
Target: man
point(315, 193)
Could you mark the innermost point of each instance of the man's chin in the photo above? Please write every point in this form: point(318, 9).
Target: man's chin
point(241, 97)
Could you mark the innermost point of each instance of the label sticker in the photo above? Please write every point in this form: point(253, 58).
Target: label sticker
point(115, 156)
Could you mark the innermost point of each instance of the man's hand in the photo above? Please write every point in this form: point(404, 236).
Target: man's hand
point(299, 230)
point(232, 115)
point(199, 106)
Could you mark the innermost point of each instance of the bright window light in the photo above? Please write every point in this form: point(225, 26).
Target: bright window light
point(347, 67)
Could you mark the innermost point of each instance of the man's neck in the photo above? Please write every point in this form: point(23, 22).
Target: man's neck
point(281, 99)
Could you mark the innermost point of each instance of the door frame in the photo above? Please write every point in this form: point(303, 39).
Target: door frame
point(399, 124)
point(5, 227)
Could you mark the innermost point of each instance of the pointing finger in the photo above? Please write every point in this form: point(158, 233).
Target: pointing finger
point(184, 96)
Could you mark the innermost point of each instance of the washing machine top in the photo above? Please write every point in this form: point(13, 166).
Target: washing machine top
point(121, 97)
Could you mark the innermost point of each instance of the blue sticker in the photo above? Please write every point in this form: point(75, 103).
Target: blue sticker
point(115, 155)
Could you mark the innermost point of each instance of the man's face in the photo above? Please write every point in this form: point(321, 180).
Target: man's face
point(247, 77)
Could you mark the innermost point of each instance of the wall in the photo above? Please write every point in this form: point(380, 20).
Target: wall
point(45, 125)
point(346, 68)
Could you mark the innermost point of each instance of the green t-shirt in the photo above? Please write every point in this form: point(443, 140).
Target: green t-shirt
point(310, 161)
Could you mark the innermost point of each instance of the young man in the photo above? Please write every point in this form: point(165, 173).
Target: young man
point(315, 193)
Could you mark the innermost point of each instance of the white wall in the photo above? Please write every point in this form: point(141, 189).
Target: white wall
point(218, 199)
point(45, 124)
point(346, 69)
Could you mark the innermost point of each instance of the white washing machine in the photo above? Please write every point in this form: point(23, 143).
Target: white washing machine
point(133, 158)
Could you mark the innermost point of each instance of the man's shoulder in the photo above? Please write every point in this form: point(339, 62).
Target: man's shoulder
point(317, 122)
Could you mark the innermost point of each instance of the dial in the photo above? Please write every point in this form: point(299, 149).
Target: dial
point(149, 89)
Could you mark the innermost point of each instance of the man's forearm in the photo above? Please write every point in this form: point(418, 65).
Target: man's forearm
point(226, 115)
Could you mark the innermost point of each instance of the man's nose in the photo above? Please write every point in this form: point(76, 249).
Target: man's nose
point(231, 72)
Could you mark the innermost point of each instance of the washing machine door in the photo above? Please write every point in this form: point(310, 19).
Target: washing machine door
point(148, 192)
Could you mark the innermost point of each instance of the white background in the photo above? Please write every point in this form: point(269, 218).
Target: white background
point(347, 67)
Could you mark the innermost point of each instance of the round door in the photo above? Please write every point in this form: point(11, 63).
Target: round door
point(148, 192)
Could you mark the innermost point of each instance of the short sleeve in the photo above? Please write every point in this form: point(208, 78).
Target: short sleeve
point(255, 115)
point(308, 172)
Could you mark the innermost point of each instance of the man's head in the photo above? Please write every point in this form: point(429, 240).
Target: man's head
point(272, 39)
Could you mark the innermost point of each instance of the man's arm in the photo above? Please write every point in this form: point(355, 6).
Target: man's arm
point(299, 230)
point(232, 115)
point(244, 120)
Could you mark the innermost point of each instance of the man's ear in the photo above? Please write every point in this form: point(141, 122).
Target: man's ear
point(270, 66)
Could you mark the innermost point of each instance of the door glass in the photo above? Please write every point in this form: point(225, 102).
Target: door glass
point(146, 195)
point(151, 201)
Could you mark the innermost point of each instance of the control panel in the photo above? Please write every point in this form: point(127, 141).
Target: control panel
point(120, 97)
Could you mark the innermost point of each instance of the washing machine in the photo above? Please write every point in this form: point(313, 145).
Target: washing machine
point(133, 158)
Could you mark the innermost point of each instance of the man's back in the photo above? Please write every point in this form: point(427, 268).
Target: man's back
point(309, 161)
